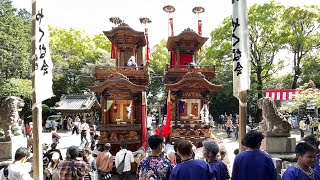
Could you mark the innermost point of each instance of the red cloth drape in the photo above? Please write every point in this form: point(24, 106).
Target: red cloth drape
point(144, 120)
point(113, 51)
point(184, 58)
point(200, 27)
point(147, 46)
point(166, 128)
point(171, 25)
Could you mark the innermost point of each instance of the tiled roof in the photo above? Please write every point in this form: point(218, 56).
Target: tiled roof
point(77, 102)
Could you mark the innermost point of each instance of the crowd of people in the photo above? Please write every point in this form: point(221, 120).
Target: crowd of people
point(178, 163)
point(172, 160)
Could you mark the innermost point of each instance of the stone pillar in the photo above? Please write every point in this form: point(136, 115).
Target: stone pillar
point(8, 149)
point(278, 144)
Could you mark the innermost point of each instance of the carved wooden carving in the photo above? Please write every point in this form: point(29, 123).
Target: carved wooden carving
point(191, 95)
point(120, 95)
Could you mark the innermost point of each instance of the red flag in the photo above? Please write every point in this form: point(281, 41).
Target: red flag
point(144, 120)
point(171, 25)
point(113, 51)
point(166, 128)
point(147, 42)
point(200, 27)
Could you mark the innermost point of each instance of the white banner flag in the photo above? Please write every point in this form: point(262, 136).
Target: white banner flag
point(41, 56)
point(240, 47)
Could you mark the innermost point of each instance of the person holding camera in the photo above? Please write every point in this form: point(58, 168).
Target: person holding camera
point(72, 168)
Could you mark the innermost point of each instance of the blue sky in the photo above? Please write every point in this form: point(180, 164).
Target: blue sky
point(93, 16)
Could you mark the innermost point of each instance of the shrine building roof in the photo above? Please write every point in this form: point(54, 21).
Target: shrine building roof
point(116, 82)
point(80, 103)
point(124, 36)
point(186, 40)
point(193, 81)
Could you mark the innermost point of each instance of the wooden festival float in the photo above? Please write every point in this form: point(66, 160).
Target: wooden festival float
point(121, 89)
point(190, 86)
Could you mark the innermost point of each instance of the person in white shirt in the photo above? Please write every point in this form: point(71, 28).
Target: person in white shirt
point(76, 124)
point(84, 127)
point(19, 169)
point(127, 161)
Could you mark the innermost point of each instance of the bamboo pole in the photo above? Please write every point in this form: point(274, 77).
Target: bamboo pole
point(243, 117)
point(36, 109)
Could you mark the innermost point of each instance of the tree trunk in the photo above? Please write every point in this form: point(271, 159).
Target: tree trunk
point(297, 69)
point(259, 88)
point(295, 80)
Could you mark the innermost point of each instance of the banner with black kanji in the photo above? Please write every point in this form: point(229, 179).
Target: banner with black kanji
point(240, 47)
point(41, 56)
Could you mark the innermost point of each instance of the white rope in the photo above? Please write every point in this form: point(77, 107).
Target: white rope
point(242, 104)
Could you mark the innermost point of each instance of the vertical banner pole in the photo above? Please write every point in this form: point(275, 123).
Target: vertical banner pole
point(242, 118)
point(241, 62)
point(36, 110)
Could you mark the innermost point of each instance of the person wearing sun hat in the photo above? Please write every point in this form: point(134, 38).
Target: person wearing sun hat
point(51, 172)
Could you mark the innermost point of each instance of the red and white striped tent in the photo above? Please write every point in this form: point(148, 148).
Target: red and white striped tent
point(281, 94)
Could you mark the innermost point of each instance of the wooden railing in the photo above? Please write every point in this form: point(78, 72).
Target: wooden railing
point(101, 72)
point(187, 68)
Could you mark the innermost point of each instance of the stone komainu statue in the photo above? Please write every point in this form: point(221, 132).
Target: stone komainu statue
point(273, 122)
point(9, 116)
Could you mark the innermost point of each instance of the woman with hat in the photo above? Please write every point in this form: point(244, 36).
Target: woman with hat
point(51, 172)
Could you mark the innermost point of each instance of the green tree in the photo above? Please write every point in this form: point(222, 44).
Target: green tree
point(301, 31)
point(265, 42)
point(102, 42)
point(311, 69)
point(308, 94)
point(159, 59)
point(14, 43)
point(71, 51)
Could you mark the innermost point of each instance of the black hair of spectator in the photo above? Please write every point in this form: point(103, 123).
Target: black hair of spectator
point(236, 151)
point(211, 146)
point(312, 139)
point(21, 153)
point(155, 141)
point(185, 148)
point(123, 145)
point(175, 145)
point(252, 139)
point(72, 152)
point(304, 147)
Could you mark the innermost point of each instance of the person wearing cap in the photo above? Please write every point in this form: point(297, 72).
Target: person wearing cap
point(54, 149)
point(105, 162)
point(71, 168)
point(51, 172)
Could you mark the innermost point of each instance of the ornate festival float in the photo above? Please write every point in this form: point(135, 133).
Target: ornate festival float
point(189, 85)
point(122, 89)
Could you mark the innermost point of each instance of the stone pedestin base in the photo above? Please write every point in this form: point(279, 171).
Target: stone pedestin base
point(278, 144)
point(8, 149)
